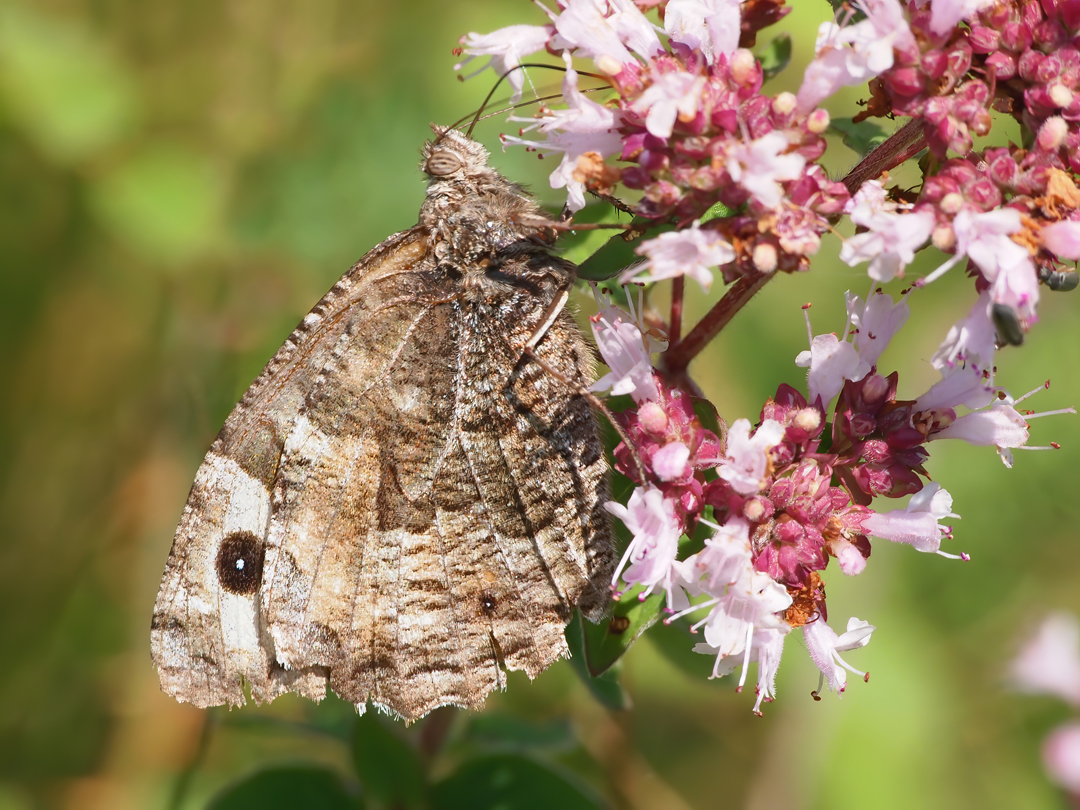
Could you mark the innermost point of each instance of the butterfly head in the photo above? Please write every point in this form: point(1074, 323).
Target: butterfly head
point(473, 207)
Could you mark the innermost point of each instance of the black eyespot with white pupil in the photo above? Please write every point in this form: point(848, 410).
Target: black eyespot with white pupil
point(442, 163)
point(239, 563)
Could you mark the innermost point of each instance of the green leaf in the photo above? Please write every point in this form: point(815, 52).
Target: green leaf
point(861, 137)
point(511, 782)
point(710, 419)
point(507, 732)
point(503, 731)
point(617, 253)
point(389, 769)
point(605, 643)
point(577, 246)
point(165, 201)
point(62, 86)
point(604, 687)
point(776, 55)
point(717, 211)
point(287, 788)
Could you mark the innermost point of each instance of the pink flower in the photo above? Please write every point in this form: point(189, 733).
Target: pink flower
point(506, 47)
point(856, 53)
point(945, 14)
point(670, 96)
point(708, 26)
point(605, 31)
point(627, 351)
point(726, 558)
point(892, 239)
point(670, 461)
point(766, 647)
point(831, 361)
point(984, 238)
point(1061, 756)
point(917, 523)
point(650, 558)
point(747, 460)
point(965, 386)
point(1000, 426)
point(760, 165)
point(691, 251)
point(825, 647)
point(972, 340)
point(1062, 239)
point(742, 623)
point(875, 322)
point(583, 127)
point(1050, 662)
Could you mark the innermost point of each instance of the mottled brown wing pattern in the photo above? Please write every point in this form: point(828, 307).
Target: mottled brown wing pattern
point(402, 505)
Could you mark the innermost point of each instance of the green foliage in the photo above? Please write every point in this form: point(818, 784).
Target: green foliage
point(862, 137)
point(776, 56)
point(388, 767)
point(605, 686)
point(605, 643)
point(62, 85)
point(511, 782)
point(165, 202)
point(287, 788)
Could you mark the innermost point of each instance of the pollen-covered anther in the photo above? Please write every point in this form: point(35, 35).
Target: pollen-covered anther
point(743, 65)
point(805, 601)
point(784, 103)
point(595, 173)
point(755, 510)
point(808, 419)
point(1061, 95)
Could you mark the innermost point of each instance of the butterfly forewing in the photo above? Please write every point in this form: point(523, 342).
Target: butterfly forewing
point(403, 504)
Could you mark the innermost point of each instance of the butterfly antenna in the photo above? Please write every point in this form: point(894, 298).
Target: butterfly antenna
point(480, 112)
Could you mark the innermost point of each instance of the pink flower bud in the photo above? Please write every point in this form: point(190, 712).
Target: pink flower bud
point(765, 257)
point(818, 121)
point(1004, 65)
point(905, 81)
point(984, 40)
point(952, 203)
point(1029, 65)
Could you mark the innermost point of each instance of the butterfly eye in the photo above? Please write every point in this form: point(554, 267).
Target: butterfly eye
point(441, 164)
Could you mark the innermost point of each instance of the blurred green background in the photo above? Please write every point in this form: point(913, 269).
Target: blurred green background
point(179, 183)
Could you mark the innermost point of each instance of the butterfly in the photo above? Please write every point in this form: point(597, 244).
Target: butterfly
point(405, 504)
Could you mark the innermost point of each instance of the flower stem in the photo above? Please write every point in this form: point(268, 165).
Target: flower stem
point(675, 327)
point(678, 356)
point(903, 144)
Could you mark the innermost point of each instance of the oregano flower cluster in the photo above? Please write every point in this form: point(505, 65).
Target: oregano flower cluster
point(688, 129)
